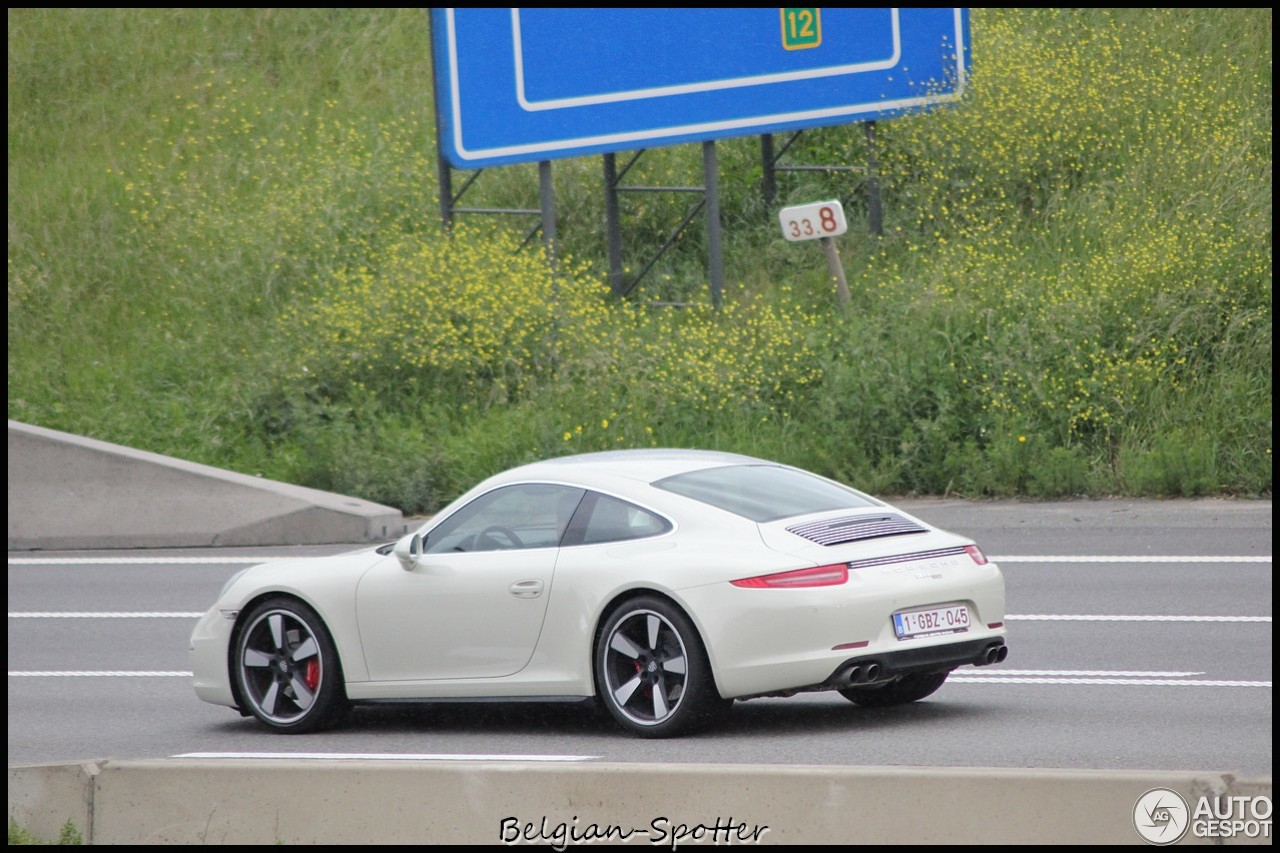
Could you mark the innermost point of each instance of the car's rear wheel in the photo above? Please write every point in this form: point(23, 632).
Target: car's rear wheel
point(908, 688)
point(287, 668)
point(652, 671)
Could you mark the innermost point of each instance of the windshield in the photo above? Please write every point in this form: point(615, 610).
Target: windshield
point(764, 492)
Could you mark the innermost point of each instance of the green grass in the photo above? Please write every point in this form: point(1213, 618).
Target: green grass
point(224, 245)
point(67, 835)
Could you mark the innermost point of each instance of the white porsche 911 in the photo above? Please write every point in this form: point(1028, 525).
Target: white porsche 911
point(667, 583)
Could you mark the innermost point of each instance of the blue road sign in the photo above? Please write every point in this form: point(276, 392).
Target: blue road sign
point(520, 85)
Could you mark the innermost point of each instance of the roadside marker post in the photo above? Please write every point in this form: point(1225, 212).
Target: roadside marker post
point(822, 221)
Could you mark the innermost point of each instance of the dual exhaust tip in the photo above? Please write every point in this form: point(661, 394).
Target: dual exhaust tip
point(992, 654)
point(861, 673)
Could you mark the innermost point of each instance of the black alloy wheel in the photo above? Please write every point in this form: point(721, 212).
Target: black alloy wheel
point(287, 669)
point(652, 672)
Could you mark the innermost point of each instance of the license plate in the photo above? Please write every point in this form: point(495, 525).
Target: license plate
point(931, 621)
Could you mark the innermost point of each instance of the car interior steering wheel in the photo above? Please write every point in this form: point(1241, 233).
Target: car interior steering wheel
point(488, 537)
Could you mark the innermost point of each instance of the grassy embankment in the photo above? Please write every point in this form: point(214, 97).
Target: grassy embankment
point(224, 245)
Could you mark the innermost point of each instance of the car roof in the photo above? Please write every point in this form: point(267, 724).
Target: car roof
point(644, 465)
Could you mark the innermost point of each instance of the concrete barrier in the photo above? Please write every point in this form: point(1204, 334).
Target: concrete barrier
point(302, 801)
point(67, 492)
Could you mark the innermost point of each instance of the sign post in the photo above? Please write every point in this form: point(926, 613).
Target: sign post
point(535, 84)
point(822, 221)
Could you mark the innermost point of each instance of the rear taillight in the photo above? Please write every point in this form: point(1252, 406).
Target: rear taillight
point(976, 553)
point(832, 575)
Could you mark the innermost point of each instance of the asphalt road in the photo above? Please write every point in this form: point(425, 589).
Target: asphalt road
point(1175, 676)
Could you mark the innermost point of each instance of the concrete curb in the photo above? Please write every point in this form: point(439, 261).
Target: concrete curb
point(70, 492)
point(359, 801)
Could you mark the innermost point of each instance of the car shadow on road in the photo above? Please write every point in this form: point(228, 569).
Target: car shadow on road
point(796, 717)
point(816, 716)
point(498, 718)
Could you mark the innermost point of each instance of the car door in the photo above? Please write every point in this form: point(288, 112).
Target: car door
point(473, 604)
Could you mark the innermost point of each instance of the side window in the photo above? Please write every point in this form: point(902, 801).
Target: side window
point(532, 515)
point(611, 520)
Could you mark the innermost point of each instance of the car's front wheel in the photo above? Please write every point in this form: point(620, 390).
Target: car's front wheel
point(652, 672)
point(287, 669)
point(908, 688)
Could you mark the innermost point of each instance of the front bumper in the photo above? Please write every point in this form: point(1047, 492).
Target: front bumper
point(210, 641)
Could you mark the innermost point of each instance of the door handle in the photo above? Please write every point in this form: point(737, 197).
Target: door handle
point(527, 589)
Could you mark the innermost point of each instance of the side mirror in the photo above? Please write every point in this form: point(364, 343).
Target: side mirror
point(408, 550)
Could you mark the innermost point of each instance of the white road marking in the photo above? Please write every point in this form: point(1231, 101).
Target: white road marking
point(379, 756)
point(233, 560)
point(1013, 617)
point(1112, 673)
point(1146, 682)
point(1092, 676)
point(116, 673)
point(88, 615)
point(148, 561)
point(1050, 617)
point(1129, 559)
point(1010, 676)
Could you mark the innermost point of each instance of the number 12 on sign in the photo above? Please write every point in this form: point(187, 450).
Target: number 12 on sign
point(801, 28)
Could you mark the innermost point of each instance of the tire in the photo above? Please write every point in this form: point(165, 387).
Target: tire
point(652, 673)
point(908, 688)
point(286, 668)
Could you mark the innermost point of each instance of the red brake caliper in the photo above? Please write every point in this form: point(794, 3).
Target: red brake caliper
point(312, 677)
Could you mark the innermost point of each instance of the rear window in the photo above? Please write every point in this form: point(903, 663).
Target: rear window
point(764, 492)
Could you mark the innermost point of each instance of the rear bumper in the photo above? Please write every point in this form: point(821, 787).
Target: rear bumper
point(886, 666)
point(871, 668)
point(771, 641)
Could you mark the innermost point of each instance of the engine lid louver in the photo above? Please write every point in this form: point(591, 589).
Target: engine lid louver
point(838, 531)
